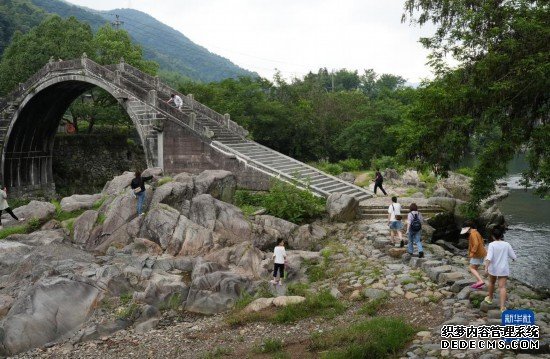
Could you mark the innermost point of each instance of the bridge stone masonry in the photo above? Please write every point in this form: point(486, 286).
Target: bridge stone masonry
point(191, 140)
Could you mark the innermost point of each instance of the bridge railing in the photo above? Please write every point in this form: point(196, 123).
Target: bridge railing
point(165, 91)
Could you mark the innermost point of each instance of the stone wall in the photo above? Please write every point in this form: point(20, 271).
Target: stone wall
point(82, 163)
point(184, 152)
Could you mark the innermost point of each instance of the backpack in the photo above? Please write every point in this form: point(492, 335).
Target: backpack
point(416, 225)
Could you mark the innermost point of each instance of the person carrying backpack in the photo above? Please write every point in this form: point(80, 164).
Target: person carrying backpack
point(378, 179)
point(414, 230)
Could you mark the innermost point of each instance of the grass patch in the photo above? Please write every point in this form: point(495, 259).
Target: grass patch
point(8, 231)
point(18, 202)
point(416, 275)
point(97, 204)
point(373, 306)
point(244, 300)
point(125, 298)
point(101, 218)
point(322, 304)
point(375, 338)
point(128, 311)
point(219, 352)
point(375, 273)
point(269, 346)
point(164, 180)
point(466, 171)
point(301, 289)
point(61, 215)
point(173, 303)
point(249, 210)
point(411, 191)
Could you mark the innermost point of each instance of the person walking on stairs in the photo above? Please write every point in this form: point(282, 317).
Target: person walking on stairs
point(4, 206)
point(414, 230)
point(138, 188)
point(498, 267)
point(279, 259)
point(394, 221)
point(476, 251)
point(378, 180)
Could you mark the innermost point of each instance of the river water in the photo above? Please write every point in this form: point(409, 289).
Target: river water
point(528, 218)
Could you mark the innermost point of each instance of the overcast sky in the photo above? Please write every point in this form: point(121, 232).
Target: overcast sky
point(294, 36)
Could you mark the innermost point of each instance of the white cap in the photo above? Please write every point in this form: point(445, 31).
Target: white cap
point(464, 230)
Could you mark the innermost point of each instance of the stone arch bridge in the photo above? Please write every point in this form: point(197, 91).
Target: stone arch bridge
point(191, 140)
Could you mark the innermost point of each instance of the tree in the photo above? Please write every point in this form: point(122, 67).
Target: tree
point(498, 94)
point(110, 46)
point(54, 37)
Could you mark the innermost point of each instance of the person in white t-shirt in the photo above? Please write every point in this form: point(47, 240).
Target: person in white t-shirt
point(176, 100)
point(394, 212)
point(497, 266)
point(279, 259)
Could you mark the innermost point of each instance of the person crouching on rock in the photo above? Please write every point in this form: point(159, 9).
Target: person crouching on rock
point(138, 188)
point(4, 206)
point(497, 266)
point(476, 251)
point(279, 256)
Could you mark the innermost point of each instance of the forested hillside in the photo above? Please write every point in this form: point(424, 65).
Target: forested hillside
point(169, 48)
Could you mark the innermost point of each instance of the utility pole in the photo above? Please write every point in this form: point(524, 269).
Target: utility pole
point(117, 23)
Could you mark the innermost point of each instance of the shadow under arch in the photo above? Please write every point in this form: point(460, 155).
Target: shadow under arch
point(28, 152)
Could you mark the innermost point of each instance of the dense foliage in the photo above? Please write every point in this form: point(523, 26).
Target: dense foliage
point(169, 48)
point(496, 101)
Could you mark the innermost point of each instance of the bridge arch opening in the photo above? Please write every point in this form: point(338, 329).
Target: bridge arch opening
point(31, 157)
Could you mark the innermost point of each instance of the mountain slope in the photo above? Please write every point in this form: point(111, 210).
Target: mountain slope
point(170, 48)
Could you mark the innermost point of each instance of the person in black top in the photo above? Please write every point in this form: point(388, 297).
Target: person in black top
point(138, 187)
point(378, 182)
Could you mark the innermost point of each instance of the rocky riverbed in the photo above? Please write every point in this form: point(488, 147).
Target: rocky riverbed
point(165, 284)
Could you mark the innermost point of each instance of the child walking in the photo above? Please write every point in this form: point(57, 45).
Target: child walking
point(476, 251)
point(279, 256)
point(4, 206)
point(498, 267)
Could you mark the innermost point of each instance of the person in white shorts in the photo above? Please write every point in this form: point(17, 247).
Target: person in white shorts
point(279, 256)
point(497, 266)
point(394, 221)
point(176, 100)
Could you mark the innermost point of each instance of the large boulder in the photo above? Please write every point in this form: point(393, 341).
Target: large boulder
point(219, 184)
point(121, 211)
point(189, 239)
point(79, 201)
point(347, 176)
point(308, 237)
point(159, 224)
point(243, 258)
point(83, 225)
point(411, 178)
point(447, 203)
point(52, 308)
point(123, 235)
point(175, 194)
point(391, 174)
point(12, 253)
point(227, 221)
point(441, 192)
point(117, 184)
point(342, 207)
point(271, 230)
point(491, 217)
point(458, 185)
point(35, 209)
point(152, 171)
point(161, 287)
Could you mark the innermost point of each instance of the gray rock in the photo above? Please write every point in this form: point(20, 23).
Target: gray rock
point(118, 184)
point(83, 226)
point(308, 237)
point(335, 293)
point(441, 192)
point(52, 308)
point(270, 230)
point(161, 288)
point(190, 239)
point(342, 207)
point(11, 253)
point(217, 183)
point(464, 293)
point(417, 262)
point(79, 201)
point(347, 176)
point(159, 224)
point(434, 272)
point(5, 304)
point(417, 195)
point(460, 284)
point(448, 204)
point(146, 326)
point(175, 194)
point(226, 220)
point(244, 256)
point(152, 171)
point(374, 294)
point(458, 185)
point(410, 178)
point(391, 174)
point(35, 209)
point(207, 302)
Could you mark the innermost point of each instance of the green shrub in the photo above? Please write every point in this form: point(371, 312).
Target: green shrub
point(101, 218)
point(244, 197)
point(164, 180)
point(128, 311)
point(173, 302)
point(320, 304)
point(288, 202)
point(8, 231)
point(466, 171)
point(218, 353)
point(331, 168)
point(373, 305)
point(384, 162)
point(33, 224)
point(301, 289)
point(351, 165)
point(126, 298)
point(18, 202)
point(375, 338)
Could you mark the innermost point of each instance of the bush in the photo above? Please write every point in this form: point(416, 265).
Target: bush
point(288, 202)
point(270, 346)
point(331, 168)
point(321, 304)
point(373, 305)
point(351, 165)
point(8, 231)
point(466, 171)
point(164, 180)
point(375, 338)
point(383, 163)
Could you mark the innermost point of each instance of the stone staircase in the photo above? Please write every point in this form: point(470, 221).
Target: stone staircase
point(228, 137)
point(377, 208)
